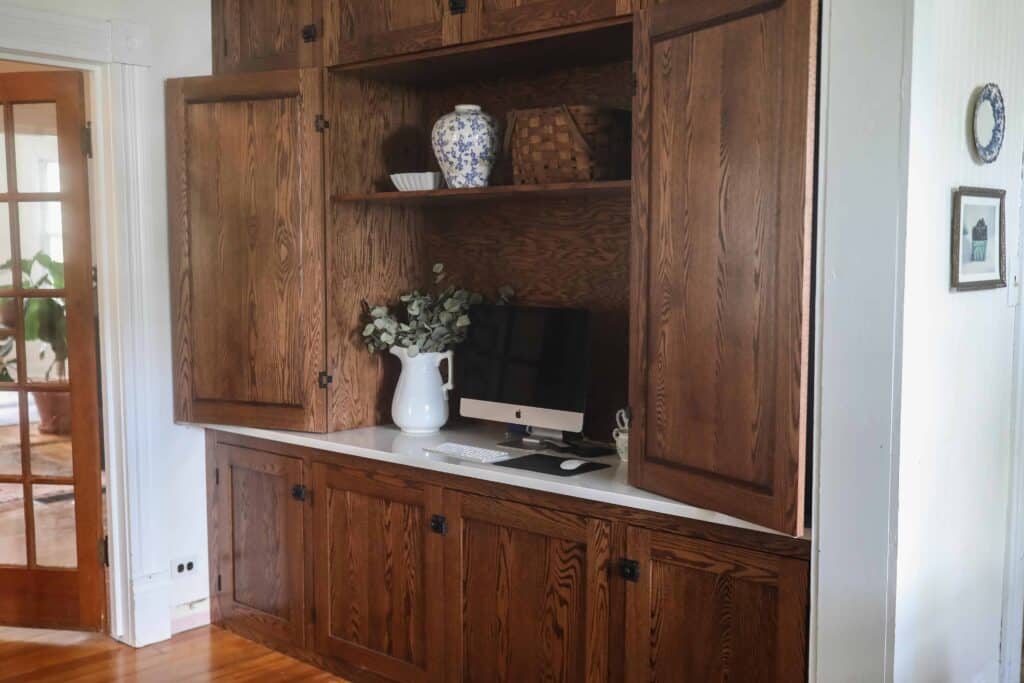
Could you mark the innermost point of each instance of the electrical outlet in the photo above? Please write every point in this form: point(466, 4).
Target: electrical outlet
point(184, 566)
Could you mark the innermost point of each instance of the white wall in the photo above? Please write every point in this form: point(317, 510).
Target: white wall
point(957, 372)
point(180, 33)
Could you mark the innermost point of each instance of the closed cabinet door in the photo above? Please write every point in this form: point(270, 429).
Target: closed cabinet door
point(256, 536)
point(247, 249)
point(527, 593)
point(701, 611)
point(377, 563)
point(486, 19)
point(264, 35)
point(358, 30)
point(720, 296)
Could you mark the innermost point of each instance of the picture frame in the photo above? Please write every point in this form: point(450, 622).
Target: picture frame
point(979, 215)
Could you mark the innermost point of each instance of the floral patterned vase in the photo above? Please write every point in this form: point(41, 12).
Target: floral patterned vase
point(466, 144)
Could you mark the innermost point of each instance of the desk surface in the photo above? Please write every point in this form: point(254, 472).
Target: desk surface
point(389, 444)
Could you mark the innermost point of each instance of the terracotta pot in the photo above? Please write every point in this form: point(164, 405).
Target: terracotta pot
point(54, 411)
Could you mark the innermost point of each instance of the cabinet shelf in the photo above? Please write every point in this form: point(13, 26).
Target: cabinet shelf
point(445, 197)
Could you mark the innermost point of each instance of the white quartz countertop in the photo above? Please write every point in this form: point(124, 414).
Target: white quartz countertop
point(389, 444)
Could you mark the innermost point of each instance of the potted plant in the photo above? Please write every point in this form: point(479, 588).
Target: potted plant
point(45, 320)
point(421, 332)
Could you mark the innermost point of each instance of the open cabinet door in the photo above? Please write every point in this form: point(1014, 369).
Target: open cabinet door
point(723, 172)
point(245, 196)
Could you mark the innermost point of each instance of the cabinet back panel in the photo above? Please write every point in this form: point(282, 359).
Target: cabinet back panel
point(260, 569)
point(247, 341)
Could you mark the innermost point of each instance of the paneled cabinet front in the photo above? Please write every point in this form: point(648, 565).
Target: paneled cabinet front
point(245, 194)
point(256, 547)
point(358, 30)
point(265, 35)
point(487, 19)
point(378, 572)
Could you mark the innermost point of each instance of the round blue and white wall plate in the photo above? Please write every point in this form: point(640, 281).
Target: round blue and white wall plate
point(989, 123)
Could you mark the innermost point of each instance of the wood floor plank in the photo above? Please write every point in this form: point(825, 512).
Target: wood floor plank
point(203, 654)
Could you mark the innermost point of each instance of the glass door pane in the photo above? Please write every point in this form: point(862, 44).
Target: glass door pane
point(36, 156)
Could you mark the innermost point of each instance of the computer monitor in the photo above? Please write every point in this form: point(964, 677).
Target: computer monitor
point(525, 365)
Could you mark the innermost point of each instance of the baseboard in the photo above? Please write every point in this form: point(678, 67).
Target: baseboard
point(190, 615)
point(151, 619)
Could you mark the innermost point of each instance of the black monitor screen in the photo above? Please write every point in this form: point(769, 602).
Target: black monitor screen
point(525, 356)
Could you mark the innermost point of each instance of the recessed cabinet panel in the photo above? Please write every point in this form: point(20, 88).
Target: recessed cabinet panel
point(358, 30)
point(527, 594)
point(263, 35)
point(486, 19)
point(378, 573)
point(723, 130)
point(256, 533)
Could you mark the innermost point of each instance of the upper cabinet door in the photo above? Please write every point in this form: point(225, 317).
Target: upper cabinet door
point(263, 35)
point(723, 171)
point(245, 195)
point(358, 30)
point(485, 19)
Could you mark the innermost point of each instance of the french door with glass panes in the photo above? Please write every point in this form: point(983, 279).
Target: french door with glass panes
point(50, 490)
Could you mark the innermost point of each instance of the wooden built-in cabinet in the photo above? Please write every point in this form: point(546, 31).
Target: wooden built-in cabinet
point(359, 30)
point(424, 576)
point(266, 35)
point(490, 19)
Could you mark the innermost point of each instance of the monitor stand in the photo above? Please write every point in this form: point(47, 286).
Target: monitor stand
point(539, 438)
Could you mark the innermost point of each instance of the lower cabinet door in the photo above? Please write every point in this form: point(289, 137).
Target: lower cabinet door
point(701, 611)
point(256, 550)
point(527, 593)
point(378, 574)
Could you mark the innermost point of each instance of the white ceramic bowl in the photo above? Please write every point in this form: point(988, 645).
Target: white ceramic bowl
point(417, 182)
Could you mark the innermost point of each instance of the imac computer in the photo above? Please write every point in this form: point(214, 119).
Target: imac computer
point(527, 366)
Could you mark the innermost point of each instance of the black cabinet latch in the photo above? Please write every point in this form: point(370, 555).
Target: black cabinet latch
point(320, 123)
point(301, 493)
point(439, 524)
point(309, 33)
point(629, 570)
point(323, 379)
point(457, 6)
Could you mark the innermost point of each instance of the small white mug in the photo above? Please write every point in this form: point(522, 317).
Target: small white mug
point(621, 437)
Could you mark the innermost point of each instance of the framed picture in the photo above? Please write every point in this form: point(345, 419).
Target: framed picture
point(978, 256)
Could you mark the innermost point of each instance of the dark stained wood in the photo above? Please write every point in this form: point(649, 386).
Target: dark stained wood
point(486, 19)
point(357, 30)
point(38, 596)
point(563, 47)
point(723, 166)
point(704, 612)
point(264, 35)
point(247, 249)
point(527, 593)
point(379, 574)
point(447, 197)
point(257, 576)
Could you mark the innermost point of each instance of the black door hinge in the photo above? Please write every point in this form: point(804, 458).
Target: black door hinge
point(457, 6)
point(87, 139)
point(216, 476)
point(218, 584)
point(634, 84)
point(439, 524)
point(320, 123)
point(104, 551)
point(312, 615)
point(300, 492)
point(323, 379)
point(309, 33)
point(629, 570)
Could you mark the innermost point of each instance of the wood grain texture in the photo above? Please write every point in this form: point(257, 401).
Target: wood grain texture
point(247, 236)
point(36, 596)
point(358, 30)
point(721, 258)
point(488, 19)
point(256, 529)
point(526, 593)
point(378, 571)
point(208, 654)
point(264, 35)
point(707, 613)
point(449, 197)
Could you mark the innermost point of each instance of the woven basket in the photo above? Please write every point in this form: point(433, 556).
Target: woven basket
point(566, 144)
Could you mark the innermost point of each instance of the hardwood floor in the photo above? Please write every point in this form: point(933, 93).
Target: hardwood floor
point(203, 654)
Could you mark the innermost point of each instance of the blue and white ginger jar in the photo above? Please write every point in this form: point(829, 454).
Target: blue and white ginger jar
point(466, 145)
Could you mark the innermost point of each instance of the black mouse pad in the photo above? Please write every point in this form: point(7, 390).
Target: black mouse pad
point(548, 464)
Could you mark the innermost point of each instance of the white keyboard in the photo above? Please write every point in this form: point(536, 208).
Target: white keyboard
point(471, 453)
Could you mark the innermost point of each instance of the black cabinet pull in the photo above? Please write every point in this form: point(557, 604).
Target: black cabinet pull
point(439, 524)
point(629, 570)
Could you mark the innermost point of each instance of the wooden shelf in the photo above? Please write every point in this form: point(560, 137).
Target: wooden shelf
point(495, 193)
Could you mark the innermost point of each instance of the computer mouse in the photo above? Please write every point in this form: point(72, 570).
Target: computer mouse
point(570, 465)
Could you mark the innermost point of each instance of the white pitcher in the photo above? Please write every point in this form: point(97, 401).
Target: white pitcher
point(420, 405)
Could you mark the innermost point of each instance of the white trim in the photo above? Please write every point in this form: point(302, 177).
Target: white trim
point(1012, 637)
point(112, 55)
